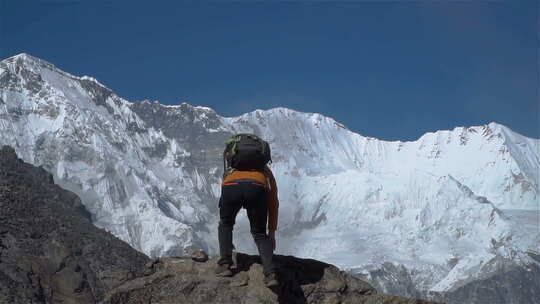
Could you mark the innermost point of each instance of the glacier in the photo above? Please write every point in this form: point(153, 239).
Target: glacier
point(419, 218)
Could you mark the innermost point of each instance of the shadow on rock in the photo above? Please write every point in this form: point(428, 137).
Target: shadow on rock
point(183, 280)
point(299, 276)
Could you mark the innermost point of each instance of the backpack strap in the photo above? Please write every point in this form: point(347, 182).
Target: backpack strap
point(230, 147)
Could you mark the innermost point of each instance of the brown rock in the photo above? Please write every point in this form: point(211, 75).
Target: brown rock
point(181, 280)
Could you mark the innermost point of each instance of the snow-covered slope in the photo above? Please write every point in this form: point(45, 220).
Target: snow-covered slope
point(450, 208)
point(138, 183)
point(437, 213)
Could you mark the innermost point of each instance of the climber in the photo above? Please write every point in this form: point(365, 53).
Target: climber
point(248, 182)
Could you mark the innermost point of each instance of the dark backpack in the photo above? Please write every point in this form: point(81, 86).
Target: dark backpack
point(245, 152)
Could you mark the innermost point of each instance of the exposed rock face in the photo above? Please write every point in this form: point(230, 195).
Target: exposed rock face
point(50, 252)
point(181, 280)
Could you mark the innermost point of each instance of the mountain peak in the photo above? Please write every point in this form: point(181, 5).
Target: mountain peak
point(487, 130)
point(23, 56)
point(41, 70)
point(27, 58)
point(25, 61)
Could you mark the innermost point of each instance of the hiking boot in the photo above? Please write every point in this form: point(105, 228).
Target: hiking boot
point(198, 255)
point(223, 270)
point(271, 280)
point(234, 265)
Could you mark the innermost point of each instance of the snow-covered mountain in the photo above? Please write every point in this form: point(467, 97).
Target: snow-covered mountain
point(431, 217)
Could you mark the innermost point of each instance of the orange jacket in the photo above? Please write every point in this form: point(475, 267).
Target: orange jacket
point(266, 178)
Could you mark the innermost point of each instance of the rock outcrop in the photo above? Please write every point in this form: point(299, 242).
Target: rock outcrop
point(182, 280)
point(50, 252)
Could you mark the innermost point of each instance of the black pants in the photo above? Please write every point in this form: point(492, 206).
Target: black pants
point(252, 197)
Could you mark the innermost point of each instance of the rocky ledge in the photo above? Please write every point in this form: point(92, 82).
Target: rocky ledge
point(183, 280)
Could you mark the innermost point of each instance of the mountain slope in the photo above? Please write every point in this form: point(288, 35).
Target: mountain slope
point(49, 250)
point(433, 211)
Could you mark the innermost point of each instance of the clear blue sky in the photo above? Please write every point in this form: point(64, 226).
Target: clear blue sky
point(392, 70)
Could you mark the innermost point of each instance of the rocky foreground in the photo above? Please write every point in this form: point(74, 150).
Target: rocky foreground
point(50, 252)
point(182, 280)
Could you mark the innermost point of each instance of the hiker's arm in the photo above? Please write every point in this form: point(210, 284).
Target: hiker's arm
point(273, 202)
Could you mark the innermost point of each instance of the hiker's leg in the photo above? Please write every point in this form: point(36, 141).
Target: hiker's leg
point(257, 211)
point(230, 203)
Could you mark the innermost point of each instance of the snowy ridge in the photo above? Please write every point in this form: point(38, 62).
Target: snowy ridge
point(441, 211)
point(79, 133)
